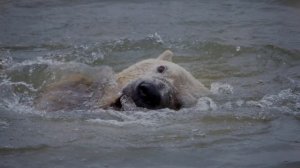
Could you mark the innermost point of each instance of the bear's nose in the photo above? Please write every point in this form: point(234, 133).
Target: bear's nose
point(149, 93)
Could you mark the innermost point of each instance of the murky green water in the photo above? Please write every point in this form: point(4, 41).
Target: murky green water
point(246, 52)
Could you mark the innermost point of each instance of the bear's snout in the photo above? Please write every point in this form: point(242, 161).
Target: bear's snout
point(149, 94)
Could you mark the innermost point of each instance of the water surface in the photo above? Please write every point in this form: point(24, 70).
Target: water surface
point(246, 52)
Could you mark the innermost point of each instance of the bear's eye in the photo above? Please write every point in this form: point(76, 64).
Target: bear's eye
point(161, 69)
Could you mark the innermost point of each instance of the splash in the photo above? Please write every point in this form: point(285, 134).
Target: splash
point(156, 37)
point(221, 88)
point(127, 103)
point(206, 103)
point(286, 101)
point(17, 84)
point(37, 61)
point(17, 102)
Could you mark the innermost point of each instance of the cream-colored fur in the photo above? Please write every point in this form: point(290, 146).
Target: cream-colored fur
point(187, 88)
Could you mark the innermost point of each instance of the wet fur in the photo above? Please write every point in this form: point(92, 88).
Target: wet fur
point(80, 90)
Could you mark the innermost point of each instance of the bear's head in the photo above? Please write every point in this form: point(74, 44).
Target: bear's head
point(159, 83)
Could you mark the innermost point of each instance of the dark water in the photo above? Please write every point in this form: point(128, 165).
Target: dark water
point(246, 52)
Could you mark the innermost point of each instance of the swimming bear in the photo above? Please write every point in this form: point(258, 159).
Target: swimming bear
point(151, 84)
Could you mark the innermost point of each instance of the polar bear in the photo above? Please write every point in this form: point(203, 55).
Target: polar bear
point(151, 84)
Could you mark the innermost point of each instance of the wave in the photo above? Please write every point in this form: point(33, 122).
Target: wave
point(22, 79)
point(96, 53)
point(286, 102)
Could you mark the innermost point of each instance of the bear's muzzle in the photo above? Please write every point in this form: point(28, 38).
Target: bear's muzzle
point(150, 93)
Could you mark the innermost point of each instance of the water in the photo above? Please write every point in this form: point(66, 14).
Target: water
point(246, 52)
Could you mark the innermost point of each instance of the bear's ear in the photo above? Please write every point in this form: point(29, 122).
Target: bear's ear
point(166, 56)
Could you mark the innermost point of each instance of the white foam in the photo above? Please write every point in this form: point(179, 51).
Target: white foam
point(285, 101)
point(13, 104)
point(4, 124)
point(127, 103)
point(221, 88)
point(14, 101)
point(96, 56)
point(206, 103)
point(120, 123)
point(10, 83)
point(37, 61)
point(128, 118)
point(156, 37)
point(6, 60)
point(239, 102)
